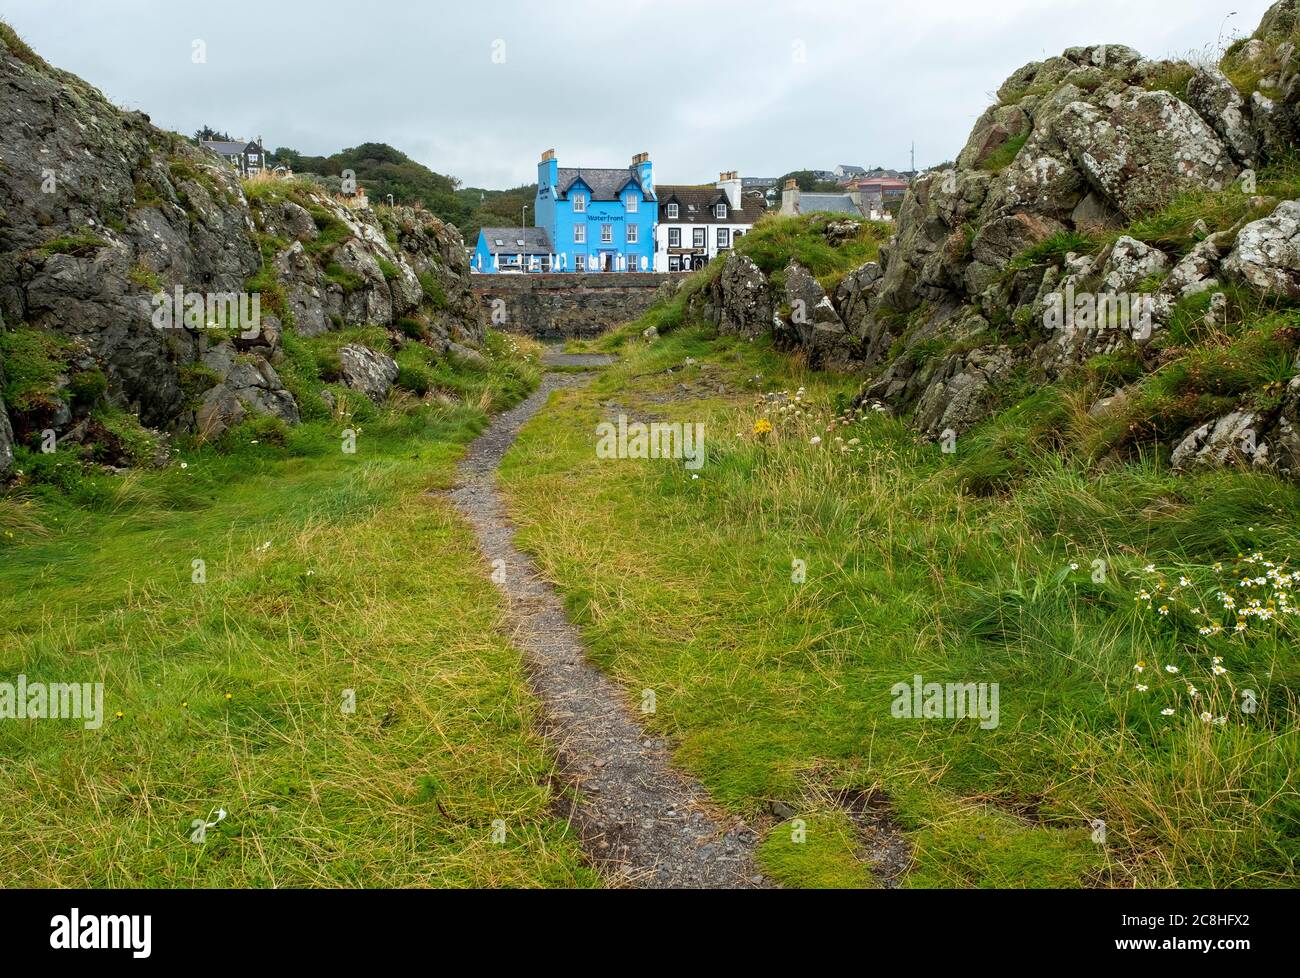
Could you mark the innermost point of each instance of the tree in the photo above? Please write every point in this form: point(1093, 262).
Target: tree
point(207, 132)
point(807, 182)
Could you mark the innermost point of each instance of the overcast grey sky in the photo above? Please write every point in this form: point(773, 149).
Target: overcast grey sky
point(479, 89)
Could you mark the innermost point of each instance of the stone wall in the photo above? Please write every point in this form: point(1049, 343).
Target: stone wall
point(566, 304)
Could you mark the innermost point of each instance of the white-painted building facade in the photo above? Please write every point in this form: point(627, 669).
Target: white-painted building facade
point(697, 223)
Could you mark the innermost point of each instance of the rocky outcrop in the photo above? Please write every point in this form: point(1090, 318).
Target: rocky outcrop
point(105, 218)
point(367, 371)
point(972, 290)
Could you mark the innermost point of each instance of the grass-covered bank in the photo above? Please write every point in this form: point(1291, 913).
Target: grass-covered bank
point(321, 572)
point(781, 691)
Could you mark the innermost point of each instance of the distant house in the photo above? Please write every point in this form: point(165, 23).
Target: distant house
point(852, 203)
point(890, 189)
point(512, 250)
point(247, 158)
point(846, 172)
point(697, 223)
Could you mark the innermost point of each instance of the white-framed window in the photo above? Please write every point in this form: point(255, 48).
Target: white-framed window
point(697, 237)
point(672, 212)
point(674, 263)
point(724, 238)
point(579, 234)
point(720, 211)
point(632, 203)
point(579, 203)
point(674, 237)
point(606, 234)
point(632, 232)
point(579, 263)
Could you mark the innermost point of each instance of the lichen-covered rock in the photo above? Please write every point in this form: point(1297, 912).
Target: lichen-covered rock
point(1142, 148)
point(1267, 252)
point(958, 391)
point(1220, 104)
point(814, 326)
point(1128, 263)
point(741, 298)
point(1197, 270)
point(1234, 439)
point(856, 299)
point(368, 371)
point(248, 384)
point(838, 232)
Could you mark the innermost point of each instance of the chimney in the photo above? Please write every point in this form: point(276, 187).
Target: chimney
point(729, 180)
point(548, 171)
point(790, 197)
point(644, 171)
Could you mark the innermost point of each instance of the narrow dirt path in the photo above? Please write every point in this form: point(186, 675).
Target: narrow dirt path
point(641, 820)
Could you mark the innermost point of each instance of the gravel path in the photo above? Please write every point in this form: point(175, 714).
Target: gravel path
point(642, 821)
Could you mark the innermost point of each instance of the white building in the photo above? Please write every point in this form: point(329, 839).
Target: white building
point(696, 224)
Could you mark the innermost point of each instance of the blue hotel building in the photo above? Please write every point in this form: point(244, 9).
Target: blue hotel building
point(593, 219)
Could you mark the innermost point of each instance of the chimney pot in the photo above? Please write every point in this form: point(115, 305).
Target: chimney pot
point(790, 184)
point(548, 155)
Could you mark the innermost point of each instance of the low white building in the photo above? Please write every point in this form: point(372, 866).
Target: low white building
point(696, 224)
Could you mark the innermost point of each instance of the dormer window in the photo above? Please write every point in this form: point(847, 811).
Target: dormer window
point(720, 211)
point(672, 212)
point(579, 203)
point(499, 242)
point(631, 203)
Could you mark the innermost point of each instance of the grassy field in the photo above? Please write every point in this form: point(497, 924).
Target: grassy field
point(776, 690)
point(323, 572)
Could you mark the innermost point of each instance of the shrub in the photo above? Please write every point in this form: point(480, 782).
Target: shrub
point(416, 329)
point(1001, 157)
point(345, 278)
point(79, 244)
point(32, 362)
point(433, 291)
point(415, 378)
point(145, 277)
point(86, 387)
point(1052, 251)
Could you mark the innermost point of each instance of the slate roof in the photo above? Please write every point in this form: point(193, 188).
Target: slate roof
point(228, 148)
point(536, 241)
point(695, 206)
point(605, 184)
point(837, 203)
point(850, 170)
